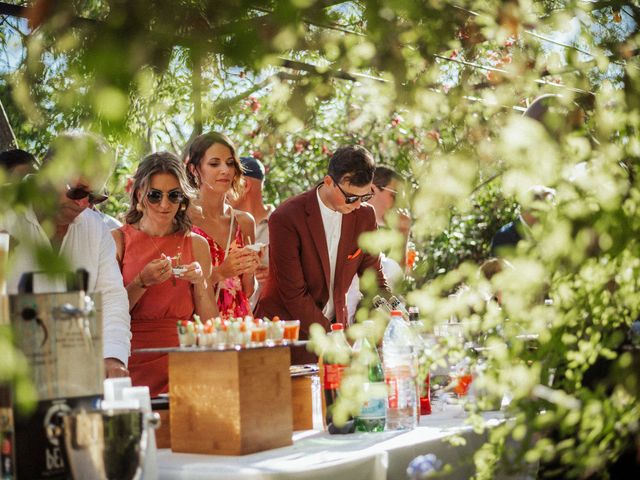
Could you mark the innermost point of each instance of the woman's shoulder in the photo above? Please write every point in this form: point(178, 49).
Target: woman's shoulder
point(195, 213)
point(245, 219)
point(198, 239)
point(125, 231)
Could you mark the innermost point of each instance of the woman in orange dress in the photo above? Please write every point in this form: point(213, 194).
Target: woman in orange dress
point(214, 169)
point(155, 240)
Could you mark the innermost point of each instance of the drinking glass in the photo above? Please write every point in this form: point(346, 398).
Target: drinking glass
point(291, 330)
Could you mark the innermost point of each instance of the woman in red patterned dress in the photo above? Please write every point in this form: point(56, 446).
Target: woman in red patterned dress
point(214, 169)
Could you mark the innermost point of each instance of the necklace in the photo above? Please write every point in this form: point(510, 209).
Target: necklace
point(175, 260)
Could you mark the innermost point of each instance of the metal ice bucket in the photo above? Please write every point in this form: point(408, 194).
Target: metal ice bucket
point(107, 445)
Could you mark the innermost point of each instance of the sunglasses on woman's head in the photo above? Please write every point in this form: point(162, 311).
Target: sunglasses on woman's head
point(78, 193)
point(155, 196)
point(350, 198)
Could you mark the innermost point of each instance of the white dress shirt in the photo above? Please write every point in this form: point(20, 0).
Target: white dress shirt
point(87, 244)
point(392, 270)
point(332, 222)
point(262, 236)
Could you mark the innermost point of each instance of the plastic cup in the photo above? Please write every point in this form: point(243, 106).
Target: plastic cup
point(291, 330)
point(259, 334)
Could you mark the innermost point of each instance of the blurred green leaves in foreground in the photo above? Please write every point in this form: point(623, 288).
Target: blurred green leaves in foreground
point(436, 90)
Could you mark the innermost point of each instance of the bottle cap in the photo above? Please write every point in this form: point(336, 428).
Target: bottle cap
point(336, 326)
point(397, 313)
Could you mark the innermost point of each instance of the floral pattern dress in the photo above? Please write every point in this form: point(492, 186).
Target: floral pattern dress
point(232, 301)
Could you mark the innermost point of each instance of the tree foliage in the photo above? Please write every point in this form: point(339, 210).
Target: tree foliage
point(435, 89)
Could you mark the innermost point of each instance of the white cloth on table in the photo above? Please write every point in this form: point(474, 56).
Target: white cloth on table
point(317, 455)
point(87, 244)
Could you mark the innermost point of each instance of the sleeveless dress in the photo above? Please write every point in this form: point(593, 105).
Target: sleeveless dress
point(232, 301)
point(154, 317)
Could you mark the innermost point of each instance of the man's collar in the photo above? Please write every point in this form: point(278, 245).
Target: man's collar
point(324, 206)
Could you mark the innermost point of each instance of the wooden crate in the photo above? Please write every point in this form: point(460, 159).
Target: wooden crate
point(163, 432)
point(302, 402)
point(230, 402)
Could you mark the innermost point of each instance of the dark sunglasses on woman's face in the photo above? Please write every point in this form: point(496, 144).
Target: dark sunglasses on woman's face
point(155, 196)
point(350, 198)
point(78, 193)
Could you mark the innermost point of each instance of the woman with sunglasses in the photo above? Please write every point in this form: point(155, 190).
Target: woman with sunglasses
point(164, 265)
point(213, 167)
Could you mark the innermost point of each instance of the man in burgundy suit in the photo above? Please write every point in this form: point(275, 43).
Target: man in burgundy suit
point(313, 246)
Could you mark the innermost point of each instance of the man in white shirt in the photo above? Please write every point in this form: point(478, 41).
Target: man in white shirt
point(251, 201)
point(60, 224)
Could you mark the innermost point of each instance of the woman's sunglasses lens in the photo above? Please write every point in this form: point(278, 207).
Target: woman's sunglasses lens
point(175, 197)
point(154, 196)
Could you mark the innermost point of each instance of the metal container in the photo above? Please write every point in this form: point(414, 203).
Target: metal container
point(60, 337)
point(106, 445)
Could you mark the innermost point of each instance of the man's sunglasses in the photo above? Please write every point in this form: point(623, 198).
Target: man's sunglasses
point(155, 196)
point(78, 193)
point(394, 193)
point(350, 198)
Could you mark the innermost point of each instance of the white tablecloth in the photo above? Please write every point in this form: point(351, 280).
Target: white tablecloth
point(359, 456)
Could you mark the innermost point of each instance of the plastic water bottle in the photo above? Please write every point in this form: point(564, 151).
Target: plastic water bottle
point(400, 369)
point(372, 414)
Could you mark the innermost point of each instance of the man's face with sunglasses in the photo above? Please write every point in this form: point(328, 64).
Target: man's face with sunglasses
point(345, 197)
point(75, 198)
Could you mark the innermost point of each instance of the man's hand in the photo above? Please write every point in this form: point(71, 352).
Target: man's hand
point(114, 368)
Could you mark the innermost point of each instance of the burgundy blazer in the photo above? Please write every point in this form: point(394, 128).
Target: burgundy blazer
point(298, 282)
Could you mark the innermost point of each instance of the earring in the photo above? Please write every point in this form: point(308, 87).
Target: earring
point(139, 207)
point(183, 208)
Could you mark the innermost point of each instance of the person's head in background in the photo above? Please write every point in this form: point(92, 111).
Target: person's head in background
point(250, 198)
point(540, 199)
point(386, 185)
point(77, 166)
point(17, 163)
point(489, 269)
point(348, 182)
point(557, 115)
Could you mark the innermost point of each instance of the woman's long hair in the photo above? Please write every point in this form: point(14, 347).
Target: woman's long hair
point(161, 162)
point(195, 153)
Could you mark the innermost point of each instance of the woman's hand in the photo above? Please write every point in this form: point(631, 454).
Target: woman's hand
point(156, 271)
point(237, 262)
point(192, 273)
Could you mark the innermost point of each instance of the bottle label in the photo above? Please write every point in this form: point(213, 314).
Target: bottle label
point(374, 405)
point(332, 375)
point(402, 392)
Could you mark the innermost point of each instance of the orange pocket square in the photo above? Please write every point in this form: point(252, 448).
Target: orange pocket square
point(354, 254)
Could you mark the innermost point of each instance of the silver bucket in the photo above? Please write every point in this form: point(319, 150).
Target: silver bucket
point(107, 445)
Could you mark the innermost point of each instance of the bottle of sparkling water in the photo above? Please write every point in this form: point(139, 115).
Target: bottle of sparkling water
point(372, 414)
point(400, 369)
